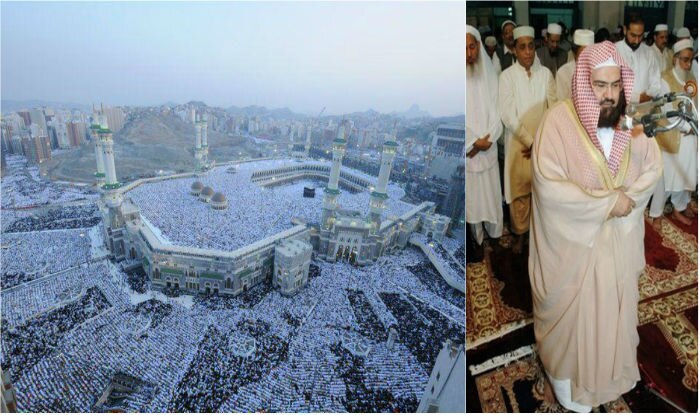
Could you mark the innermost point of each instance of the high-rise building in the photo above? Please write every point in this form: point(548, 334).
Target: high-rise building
point(115, 117)
point(447, 151)
point(36, 149)
point(24, 114)
point(38, 118)
point(5, 135)
point(16, 145)
point(76, 133)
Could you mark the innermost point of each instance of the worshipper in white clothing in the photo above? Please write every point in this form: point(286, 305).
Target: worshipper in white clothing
point(550, 54)
point(525, 91)
point(684, 33)
point(679, 147)
point(483, 122)
point(490, 44)
point(582, 38)
point(641, 59)
point(591, 183)
point(663, 54)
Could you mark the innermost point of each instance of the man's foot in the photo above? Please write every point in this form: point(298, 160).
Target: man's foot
point(518, 245)
point(680, 217)
point(688, 212)
point(656, 223)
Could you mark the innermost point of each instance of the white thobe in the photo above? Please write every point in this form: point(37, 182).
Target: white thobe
point(522, 100)
point(565, 74)
point(680, 175)
point(496, 63)
point(483, 197)
point(647, 77)
point(663, 59)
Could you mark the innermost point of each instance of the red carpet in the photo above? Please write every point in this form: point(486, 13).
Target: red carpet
point(667, 353)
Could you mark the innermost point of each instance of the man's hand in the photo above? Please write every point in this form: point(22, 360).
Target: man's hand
point(643, 97)
point(474, 151)
point(483, 143)
point(527, 153)
point(623, 205)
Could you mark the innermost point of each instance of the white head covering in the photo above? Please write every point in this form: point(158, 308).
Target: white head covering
point(584, 37)
point(609, 62)
point(472, 31)
point(508, 22)
point(483, 89)
point(682, 44)
point(683, 32)
point(490, 41)
point(524, 31)
point(554, 29)
point(661, 28)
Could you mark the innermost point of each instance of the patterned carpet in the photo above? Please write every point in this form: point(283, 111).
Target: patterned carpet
point(504, 378)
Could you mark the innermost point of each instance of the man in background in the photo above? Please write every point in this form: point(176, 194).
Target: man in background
point(582, 38)
point(550, 54)
point(483, 122)
point(525, 91)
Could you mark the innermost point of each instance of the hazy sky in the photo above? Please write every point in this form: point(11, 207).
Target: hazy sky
point(345, 56)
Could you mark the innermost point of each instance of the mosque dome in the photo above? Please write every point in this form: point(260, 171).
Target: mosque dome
point(218, 201)
point(218, 197)
point(207, 191)
point(196, 188)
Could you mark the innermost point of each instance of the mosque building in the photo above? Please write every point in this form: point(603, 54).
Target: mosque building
point(283, 257)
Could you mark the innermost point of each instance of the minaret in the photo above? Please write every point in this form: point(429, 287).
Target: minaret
point(94, 128)
point(198, 153)
point(378, 197)
point(307, 145)
point(291, 140)
point(205, 143)
point(108, 157)
point(331, 191)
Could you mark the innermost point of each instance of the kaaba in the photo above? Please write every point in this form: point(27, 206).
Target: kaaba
point(309, 192)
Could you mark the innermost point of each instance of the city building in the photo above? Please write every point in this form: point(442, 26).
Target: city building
point(8, 398)
point(76, 133)
point(38, 118)
point(447, 151)
point(291, 270)
point(36, 149)
point(445, 389)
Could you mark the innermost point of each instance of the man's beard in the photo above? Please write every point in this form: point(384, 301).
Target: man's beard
point(631, 45)
point(610, 116)
point(681, 73)
point(473, 70)
point(554, 52)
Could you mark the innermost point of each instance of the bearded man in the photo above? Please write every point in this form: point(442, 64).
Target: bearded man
point(679, 147)
point(663, 54)
point(591, 184)
point(641, 59)
point(550, 54)
point(483, 183)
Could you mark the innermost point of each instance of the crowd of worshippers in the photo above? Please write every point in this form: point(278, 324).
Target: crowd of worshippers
point(169, 207)
point(151, 340)
point(24, 186)
point(67, 217)
point(431, 279)
point(532, 71)
point(26, 256)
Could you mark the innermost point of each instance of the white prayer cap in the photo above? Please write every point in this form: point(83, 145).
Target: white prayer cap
point(683, 32)
point(507, 22)
point(490, 41)
point(524, 31)
point(543, 32)
point(607, 62)
point(554, 29)
point(682, 44)
point(661, 28)
point(471, 30)
point(584, 37)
